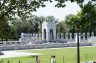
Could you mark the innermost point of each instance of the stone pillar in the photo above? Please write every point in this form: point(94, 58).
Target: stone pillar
point(62, 36)
point(28, 38)
point(34, 37)
point(80, 35)
point(22, 35)
point(74, 35)
point(83, 36)
point(4, 43)
point(31, 36)
point(66, 35)
point(70, 35)
point(88, 35)
point(58, 36)
point(0, 50)
point(92, 34)
point(77, 39)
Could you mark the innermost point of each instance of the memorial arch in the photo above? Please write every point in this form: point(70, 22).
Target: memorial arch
point(49, 31)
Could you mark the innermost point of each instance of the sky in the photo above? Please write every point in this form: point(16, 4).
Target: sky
point(58, 13)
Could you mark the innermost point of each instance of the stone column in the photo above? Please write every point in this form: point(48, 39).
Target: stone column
point(62, 36)
point(66, 35)
point(70, 35)
point(83, 36)
point(74, 35)
point(22, 35)
point(88, 36)
point(34, 37)
point(0, 51)
point(92, 34)
point(31, 36)
point(77, 39)
point(80, 36)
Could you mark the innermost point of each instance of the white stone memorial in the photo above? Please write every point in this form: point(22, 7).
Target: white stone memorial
point(48, 31)
point(49, 35)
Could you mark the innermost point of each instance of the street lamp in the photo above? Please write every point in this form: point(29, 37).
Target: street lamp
point(78, 49)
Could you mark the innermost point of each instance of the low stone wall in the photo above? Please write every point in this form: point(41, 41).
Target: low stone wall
point(38, 46)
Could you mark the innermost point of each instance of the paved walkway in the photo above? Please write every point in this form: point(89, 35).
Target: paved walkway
point(14, 53)
point(8, 54)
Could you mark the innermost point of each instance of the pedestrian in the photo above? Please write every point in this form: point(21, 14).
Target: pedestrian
point(37, 60)
point(54, 58)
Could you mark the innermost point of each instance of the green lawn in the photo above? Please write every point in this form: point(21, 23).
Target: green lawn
point(68, 53)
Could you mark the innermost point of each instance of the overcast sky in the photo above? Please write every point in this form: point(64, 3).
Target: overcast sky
point(58, 13)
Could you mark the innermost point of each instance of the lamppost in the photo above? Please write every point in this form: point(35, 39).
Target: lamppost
point(78, 49)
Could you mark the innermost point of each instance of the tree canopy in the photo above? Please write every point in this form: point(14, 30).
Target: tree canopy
point(85, 19)
point(23, 8)
point(10, 9)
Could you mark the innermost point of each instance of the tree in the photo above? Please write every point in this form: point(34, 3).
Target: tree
point(84, 20)
point(5, 31)
point(88, 13)
point(62, 27)
point(23, 8)
point(51, 19)
point(9, 9)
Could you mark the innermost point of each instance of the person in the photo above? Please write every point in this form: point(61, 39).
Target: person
point(36, 60)
point(54, 57)
point(53, 60)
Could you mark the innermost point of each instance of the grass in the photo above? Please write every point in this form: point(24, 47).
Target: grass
point(69, 55)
